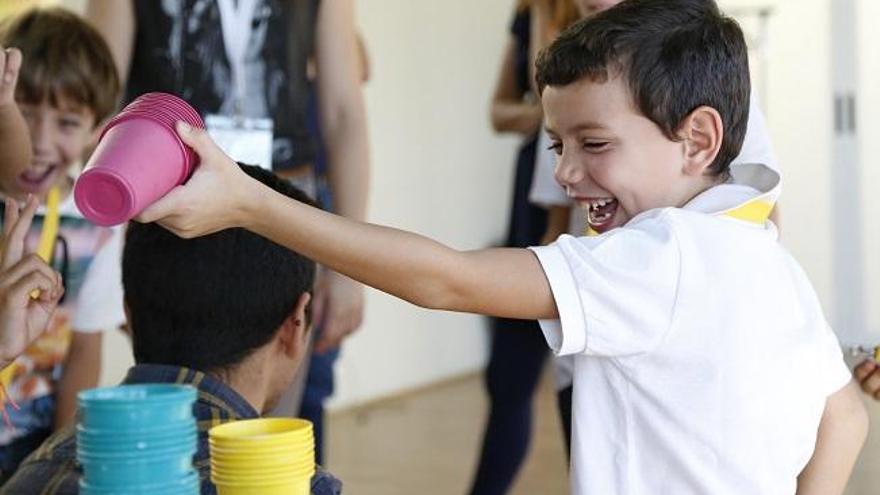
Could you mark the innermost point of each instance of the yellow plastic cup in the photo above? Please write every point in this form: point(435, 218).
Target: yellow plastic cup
point(264, 450)
point(294, 470)
point(256, 478)
point(261, 460)
point(226, 454)
point(267, 463)
point(262, 432)
point(296, 488)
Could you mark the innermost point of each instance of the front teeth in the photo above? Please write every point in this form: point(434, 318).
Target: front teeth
point(599, 203)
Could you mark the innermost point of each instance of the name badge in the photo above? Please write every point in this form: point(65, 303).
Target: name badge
point(247, 140)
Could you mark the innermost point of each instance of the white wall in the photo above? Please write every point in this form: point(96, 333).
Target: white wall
point(798, 104)
point(868, 12)
point(438, 170)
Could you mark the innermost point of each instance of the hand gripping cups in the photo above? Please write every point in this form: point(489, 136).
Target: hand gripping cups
point(139, 158)
point(137, 440)
point(269, 456)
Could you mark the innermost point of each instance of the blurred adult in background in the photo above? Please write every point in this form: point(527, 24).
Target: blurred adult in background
point(243, 65)
point(518, 350)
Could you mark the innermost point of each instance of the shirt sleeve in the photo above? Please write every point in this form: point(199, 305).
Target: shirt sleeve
point(756, 147)
point(615, 293)
point(545, 191)
point(99, 306)
point(837, 373)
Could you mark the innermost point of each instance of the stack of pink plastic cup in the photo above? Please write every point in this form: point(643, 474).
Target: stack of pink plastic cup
point(139, 158)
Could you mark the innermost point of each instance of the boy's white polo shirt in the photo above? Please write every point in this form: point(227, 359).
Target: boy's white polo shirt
point(702, 358)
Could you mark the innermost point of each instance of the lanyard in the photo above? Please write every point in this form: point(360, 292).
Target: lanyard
point(236, 24)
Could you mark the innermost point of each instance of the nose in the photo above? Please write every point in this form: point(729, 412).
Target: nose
point(41, 135)
point(568, 170)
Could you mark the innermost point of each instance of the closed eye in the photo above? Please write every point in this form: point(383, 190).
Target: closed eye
point(595, 146)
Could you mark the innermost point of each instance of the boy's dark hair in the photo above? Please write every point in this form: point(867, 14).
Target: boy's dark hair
point(675, 56)
point(208, 303)
point(64, 58)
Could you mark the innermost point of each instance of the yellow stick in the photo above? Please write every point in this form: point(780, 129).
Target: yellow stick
point(50, 226)
point(51, 221)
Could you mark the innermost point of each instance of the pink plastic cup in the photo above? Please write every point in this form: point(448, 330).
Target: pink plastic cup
point(139, 158)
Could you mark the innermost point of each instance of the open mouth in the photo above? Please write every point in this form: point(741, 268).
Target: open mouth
point(601, 213)
point(35, 179)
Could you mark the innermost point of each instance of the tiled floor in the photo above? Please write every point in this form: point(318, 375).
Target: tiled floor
point(426, 444)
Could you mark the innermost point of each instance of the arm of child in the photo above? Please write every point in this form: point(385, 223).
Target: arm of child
point(502, 282)
point(15, 144)
point(115, 20)
point(842, 433)
point(81, 370)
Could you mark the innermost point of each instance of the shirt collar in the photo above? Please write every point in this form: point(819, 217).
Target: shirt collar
point(749, 195)
point(211, 390)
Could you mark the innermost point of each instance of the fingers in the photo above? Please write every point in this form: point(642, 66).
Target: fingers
point(48, 287)
point(863, 370)
point(10, 64)
point(336, 329)
point(10, 216)
point(14, 241)
point(868, 376)
point(198, 140)
point(30, 264)
point(162, 208)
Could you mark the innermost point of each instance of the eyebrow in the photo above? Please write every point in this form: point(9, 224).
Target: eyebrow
point(583, 126)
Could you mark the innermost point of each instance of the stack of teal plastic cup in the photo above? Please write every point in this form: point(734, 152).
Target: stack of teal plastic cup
point(137, 439)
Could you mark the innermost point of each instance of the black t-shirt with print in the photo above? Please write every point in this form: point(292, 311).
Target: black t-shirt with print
point(179, 49)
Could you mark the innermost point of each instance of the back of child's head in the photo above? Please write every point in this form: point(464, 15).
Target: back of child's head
point(65, 60)
point(208, 303)
point(674, 55)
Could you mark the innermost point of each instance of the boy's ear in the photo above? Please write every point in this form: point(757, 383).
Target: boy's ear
point(293, 335)
point(702, 132)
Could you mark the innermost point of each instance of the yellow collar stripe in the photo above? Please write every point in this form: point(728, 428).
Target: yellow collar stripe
point(757, 211)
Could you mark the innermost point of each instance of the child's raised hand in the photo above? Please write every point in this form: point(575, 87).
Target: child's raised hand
point(23, 318)
point(10, 64)
point(215, 198)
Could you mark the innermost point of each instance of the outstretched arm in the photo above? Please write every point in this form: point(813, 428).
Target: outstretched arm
point(500, 282)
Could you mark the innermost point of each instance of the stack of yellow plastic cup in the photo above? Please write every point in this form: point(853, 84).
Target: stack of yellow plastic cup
point(267, 456)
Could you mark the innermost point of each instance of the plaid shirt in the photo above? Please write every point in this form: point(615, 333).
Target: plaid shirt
point(54, 470)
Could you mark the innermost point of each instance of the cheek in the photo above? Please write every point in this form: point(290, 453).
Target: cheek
point(71, 147)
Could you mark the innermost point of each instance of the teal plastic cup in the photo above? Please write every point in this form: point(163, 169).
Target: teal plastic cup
point(186, 485)
point(136, 407)
point(123, 439)
point(136, 468)
point(134, 445)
